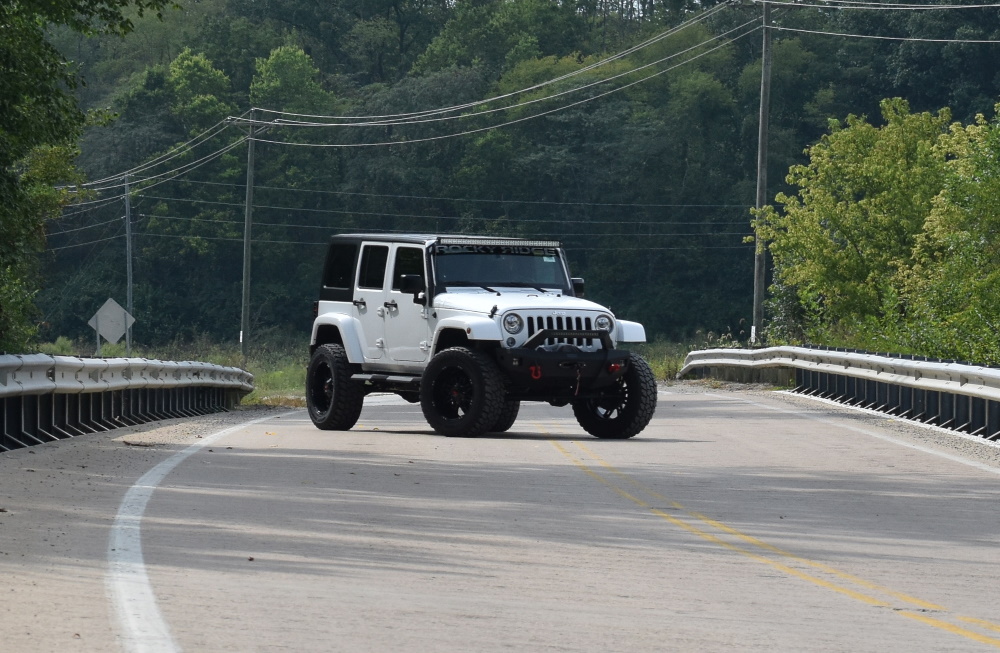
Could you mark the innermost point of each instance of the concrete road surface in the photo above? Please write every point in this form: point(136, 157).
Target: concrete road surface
point(740, 520)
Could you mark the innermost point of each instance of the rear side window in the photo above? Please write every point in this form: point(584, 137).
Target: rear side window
point(339, 271)
point(373, 260)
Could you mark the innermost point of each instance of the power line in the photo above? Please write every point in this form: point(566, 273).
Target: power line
point(464, 199)
point(447, 217)
point(884, 38)
point(101, 240)
point(461, 107)
point(171, 154)
point(90, 226)
point(518, 120)
point(877, 6)
point(220, 126)
point(105, 202)
point(179, 170)
point(404, 215)
point(424, 119)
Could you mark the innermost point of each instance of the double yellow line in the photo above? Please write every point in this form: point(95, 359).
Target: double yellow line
point(759, 551)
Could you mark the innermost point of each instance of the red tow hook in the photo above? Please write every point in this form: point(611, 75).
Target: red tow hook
point(536, 372)
point(614, 367)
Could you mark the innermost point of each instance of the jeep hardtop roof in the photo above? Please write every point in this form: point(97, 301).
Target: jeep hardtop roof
point(456, 239)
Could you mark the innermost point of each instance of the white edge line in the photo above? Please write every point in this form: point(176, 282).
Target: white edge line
point(140, 622)
point(887, 438)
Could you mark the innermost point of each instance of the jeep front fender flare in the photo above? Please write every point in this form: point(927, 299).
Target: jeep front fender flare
point(349, 333)
point(627, 331)
point(474, 328)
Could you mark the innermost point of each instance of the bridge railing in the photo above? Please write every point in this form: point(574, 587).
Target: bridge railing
point(46, 398)
point(951, 395)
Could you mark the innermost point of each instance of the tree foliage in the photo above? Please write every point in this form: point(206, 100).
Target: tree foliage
point(644, 165)
point(39, 124)
point(890, 242)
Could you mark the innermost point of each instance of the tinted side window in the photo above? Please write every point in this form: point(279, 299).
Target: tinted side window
point(373, 260)
point(339, 271)
point(409, 260)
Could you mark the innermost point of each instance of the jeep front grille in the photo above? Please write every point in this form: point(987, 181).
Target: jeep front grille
point(568, 323)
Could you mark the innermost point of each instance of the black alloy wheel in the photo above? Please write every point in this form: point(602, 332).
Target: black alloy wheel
point(334, 401)
point(625, 408)
point(461, 392)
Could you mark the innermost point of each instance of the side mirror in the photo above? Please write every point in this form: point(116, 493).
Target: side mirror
point(413, 284)
point(577, 286)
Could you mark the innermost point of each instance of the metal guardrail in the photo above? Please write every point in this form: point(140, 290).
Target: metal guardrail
point(46, 398)
point(951, 395)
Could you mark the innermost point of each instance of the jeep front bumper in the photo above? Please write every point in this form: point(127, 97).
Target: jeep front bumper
point(561, 372)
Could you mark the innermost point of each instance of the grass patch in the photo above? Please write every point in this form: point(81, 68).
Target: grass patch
point(666, 358)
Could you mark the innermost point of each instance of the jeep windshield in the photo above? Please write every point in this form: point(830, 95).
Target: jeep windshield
point(488, 266)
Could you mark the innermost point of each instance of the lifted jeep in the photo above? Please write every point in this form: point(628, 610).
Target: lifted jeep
point(469, 327)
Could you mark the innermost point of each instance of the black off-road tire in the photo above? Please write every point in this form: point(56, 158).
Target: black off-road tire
point(461, 392)
point(508, 415)
point(624, 409)
point(334, 401)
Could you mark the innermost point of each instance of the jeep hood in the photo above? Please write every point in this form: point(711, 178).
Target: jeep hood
point(477, 300)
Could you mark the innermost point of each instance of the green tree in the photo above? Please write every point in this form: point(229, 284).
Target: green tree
point(953, 306)
point(501, 33)
point(39, 124)
point(288, 80)
point(199, 90)
point(845, 240)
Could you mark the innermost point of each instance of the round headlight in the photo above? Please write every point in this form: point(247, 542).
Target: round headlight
point(603, 323)
point(513, 323)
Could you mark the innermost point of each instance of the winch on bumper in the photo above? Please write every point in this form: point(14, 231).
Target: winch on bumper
point(562, 371)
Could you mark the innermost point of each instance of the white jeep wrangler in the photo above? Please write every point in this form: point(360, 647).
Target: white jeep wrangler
point(469, 327)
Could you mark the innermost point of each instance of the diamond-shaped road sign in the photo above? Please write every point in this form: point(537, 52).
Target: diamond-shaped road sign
point(111, 321)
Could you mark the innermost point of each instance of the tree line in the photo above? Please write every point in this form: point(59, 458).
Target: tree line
point(628, 130)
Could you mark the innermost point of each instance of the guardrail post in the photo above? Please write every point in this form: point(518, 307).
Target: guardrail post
point(932, 407)
point(919, 404)
point(946, 417)
point(962, 412)
point(977, 423)
point(992, 420)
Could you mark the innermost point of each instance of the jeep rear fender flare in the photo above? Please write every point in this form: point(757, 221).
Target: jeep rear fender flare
point(474, 328)
point(630, 332)
point(349, 334)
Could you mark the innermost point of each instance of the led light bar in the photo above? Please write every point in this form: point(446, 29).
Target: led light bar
point(502, 242)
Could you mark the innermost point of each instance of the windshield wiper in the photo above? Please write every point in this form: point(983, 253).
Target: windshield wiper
point(526, 284)
point(470, 284)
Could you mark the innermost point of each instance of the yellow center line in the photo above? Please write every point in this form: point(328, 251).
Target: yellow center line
point(695, 530)
point(981, 623)
point(951, 628)
point(912, 600)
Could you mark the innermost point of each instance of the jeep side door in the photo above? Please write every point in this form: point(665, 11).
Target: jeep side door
point(369, 292)
point(407, 333)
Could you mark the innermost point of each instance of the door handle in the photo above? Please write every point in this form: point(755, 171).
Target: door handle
point(391, 304)
point(360, 303)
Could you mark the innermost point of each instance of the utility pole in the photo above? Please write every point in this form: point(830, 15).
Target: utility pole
point(248, 221)
point(760, 251)
point(128, 267)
